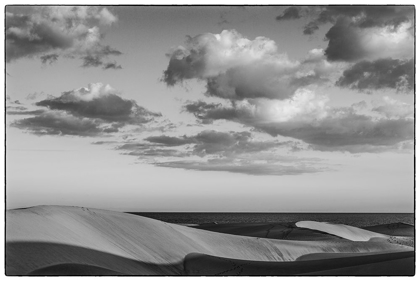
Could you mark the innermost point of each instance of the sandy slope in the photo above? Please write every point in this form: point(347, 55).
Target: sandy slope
point(45, 237)
point(345, 231)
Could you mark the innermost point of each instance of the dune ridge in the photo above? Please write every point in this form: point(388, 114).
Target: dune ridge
point(345, 231)
point(131, 244)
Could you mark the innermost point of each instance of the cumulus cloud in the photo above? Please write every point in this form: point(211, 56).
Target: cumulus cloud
point(237, 68)
point(100, 101)
point(379, 74)
point(35, 31)
point(307, 117)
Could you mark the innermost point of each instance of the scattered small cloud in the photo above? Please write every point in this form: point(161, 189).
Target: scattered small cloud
point(112, 65)
point(49, 58)
point(290, 13)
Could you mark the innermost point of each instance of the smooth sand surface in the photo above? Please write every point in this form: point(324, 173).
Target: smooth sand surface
point(45, 239)
point(345, 231)
point(282, 231)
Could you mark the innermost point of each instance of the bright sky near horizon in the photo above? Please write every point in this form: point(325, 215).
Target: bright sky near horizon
point(240, 109)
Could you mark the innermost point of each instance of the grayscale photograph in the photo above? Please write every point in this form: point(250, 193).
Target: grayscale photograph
point(209, 140)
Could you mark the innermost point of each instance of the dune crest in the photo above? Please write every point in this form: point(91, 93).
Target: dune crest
point(345, 231)
point(40, 237)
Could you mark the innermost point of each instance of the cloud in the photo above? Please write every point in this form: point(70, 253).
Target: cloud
point(379, 74)
point(391, 108)
point(92, 61)
point(237, 68)
point(94, 110)
point(232, 166)
point(209, 150)
point(35, 95)
point(307, 117)
point(170, 141)
point(97, 59)
point(361, 16)
point(350, 43)
point(100, 101)
point(214, 142)
point(304, 106)
point(59, 123)
point(290, 13)
point(49, 58)
point(23, 111)
point(361, 32)
point(112, 65)
point(35, 31)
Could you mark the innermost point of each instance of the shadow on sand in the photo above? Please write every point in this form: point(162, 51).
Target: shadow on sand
point(42, 259)
point(37, 258)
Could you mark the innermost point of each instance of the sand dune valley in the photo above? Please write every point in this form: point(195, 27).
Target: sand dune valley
point(59, 240)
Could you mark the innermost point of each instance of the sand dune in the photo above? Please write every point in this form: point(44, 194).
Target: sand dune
point(46, 239)
point(345, 231)
point(283, 231)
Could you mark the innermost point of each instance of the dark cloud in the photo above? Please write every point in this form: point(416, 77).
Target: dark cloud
point(35, 31)
point(379, 74)
point(59, 123)
point(92, 61)
point(112, 65)
point(344, 43)
point(100, 101)
point(49, 58)
point(170, 141)
point(97, 59)
point(207, 112)
point(290, 13)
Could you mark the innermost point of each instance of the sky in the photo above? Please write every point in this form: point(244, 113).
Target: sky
point(211, 109)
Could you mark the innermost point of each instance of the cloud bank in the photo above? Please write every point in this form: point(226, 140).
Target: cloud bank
point(210, 150)
point(307, 117)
